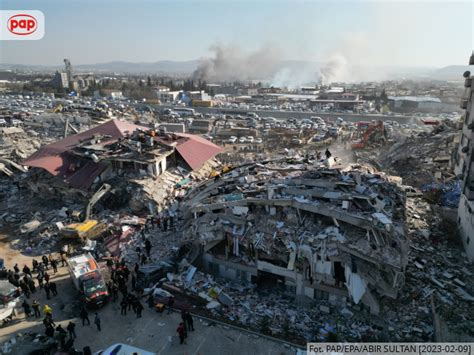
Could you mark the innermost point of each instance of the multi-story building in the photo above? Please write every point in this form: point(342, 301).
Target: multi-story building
point(464, 168)
point(60, 80)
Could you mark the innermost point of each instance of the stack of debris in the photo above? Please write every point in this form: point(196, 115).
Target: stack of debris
point(419, 158)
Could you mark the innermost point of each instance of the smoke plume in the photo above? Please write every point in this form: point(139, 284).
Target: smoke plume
point(336, 69)
point(229, 63)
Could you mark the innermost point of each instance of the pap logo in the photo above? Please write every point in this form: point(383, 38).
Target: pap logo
point(22, 24)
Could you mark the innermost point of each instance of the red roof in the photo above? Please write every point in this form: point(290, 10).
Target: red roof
point(54, 158)
point(196, 150)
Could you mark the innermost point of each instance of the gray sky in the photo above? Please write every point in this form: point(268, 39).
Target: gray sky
point(401, 33)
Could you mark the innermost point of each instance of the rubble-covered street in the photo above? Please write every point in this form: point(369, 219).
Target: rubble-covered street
point(287, 247)
point(280, 247)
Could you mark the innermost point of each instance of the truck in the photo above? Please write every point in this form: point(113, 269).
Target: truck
point(201, 103)
point(85, 274)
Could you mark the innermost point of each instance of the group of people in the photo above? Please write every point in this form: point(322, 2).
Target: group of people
point(163, 221)
point(187, 325)
point(85, 318)
point(120, 277)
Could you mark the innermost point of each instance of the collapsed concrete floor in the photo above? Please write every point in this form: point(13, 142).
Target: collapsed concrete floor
point(288, 248)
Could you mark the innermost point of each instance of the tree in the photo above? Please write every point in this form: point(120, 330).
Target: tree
point(148, 82)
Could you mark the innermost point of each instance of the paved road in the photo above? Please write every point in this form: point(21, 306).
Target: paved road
point(151, 332)
point(351, 117)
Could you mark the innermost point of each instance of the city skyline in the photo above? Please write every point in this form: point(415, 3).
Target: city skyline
point(402, 33)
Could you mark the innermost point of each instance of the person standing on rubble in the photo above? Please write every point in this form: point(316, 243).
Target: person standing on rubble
point(123, 307)
point(134, 282)
point(46, 277)
point(62, 255)
point(151, 301)
point(84, 316)
point(97, 321)
point(41, 268)
point(138, 308)
point(40, 279)
point(144, 258)
point(71, 328)
point(170, 304)
point(34, 264)
point(61, 335)
point(114, 291)
point(131, 302)
point(148, 247)
point(26, 308)
point(47, 290)
point(189, 321)
point(35, 305)
point(31, 285)
point(49, 331)
point(50, 258)
point(27, 271)
point(328, 153)
point(53, 288)
point(16, 268)
point(25, 289)
point(54, 265)
point(182, 333)
point(45, 261)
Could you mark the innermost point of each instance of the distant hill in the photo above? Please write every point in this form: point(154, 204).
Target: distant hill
point(291, 68)
point(160, 67)
point(451, 72)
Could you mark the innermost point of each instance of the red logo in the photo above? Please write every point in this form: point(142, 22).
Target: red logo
point(22, 24)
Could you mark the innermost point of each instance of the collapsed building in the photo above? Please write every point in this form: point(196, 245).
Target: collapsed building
point(315, 232)
point(80, 163)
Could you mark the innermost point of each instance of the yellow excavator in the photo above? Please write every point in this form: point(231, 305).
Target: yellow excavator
point(58, 108)
point(225, 169)
point(89, 228)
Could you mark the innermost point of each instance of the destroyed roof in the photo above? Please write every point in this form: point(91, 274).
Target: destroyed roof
point(196, 150)
point(58, 158)
point(54, 158)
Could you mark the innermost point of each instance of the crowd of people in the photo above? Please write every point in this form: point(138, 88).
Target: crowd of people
point(124, 283)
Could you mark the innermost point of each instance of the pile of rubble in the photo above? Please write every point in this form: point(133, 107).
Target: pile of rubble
point(418, 159)
point(267, 234)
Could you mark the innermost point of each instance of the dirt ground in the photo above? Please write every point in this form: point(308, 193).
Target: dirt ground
point(152, 332)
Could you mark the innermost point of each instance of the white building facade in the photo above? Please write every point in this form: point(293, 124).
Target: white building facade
point(464, 159)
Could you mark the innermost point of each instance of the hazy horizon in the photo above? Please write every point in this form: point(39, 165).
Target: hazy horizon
point(364, 33)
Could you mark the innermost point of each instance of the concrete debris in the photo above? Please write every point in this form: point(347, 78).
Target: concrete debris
point(311, 250)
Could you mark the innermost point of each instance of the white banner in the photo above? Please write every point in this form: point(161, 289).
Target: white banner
point(21, 25)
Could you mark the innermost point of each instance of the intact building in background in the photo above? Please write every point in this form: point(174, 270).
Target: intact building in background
point(465, 167)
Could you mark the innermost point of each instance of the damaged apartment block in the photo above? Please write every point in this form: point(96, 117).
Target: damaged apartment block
point(80, 163)
point(307, 230)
